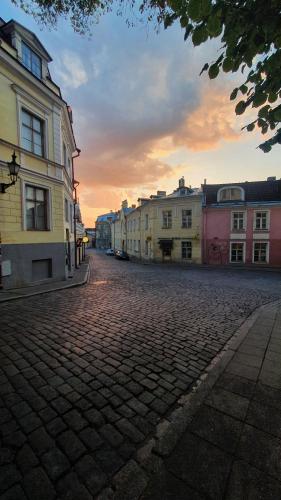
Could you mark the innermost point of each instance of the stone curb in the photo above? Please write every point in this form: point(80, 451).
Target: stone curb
point(53, 289)
point(131, 481)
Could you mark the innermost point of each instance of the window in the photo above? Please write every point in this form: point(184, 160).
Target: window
point(36, 208)
point(237, 252)
point(146, 247)
point(66, 213)
point(261, 252)
point(186, 218)
point(135, 245)
point(230, 193)
point(167, 219)
point(238, 220)
point(186, 250)
point(32, 133)
point(31, 60)
point(138, 223)
point(146, 221)
point(261, 220)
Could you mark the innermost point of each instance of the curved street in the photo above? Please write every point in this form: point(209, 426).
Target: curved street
point(87, 373)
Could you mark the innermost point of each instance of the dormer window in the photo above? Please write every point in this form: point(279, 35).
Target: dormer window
point(231, 193)
point(31, 60)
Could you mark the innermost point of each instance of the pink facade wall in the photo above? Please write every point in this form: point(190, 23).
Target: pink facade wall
point(217, 230)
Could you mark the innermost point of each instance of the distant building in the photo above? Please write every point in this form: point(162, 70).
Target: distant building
point(119, 228)
point(103, 230)
point(166, 228)
point(241, 223)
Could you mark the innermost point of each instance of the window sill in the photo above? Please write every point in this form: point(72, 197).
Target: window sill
point(256, 230)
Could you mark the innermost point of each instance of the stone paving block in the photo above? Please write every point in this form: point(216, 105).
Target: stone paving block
point(108, 459)
point(37, 485)
point(200, 465)
point(90, 438)
point(14, 493)
point(70, 488)
point(267, 395)
point(260, 450)
point(90, 474)
point(216, 427)
point(71, 445)
point(9, 475)
point(228, 402)
point(55, 463)
point(130, 482)
point(40, 440)
point(265, 418)
point(248, 482)
point(111, 435)
point(26, 459)
point(236, 384)
point(165, 486)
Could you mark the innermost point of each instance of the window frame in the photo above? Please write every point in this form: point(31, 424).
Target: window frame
point(169, 223)
point(46, 203)
point(224, 188)
point(182, 248)
point(244, 252)
point(32, 54)
point(265, 242)
point(146, 222)
point(188, 217)
point(255, 228)
point(244, 220)
point(33, 116)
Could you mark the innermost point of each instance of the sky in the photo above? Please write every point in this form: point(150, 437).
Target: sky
point(143, 117)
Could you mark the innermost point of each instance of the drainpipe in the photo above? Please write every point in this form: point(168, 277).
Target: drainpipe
point(75, 184)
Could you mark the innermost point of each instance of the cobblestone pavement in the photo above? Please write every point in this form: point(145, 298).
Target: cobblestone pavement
point(87, 373)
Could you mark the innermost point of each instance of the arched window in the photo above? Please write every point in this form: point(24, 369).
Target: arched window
point(231, 193)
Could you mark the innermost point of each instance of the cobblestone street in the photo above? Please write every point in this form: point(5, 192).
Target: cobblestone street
point(87, 373)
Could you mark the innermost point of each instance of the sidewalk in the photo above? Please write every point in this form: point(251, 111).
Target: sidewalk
point(80, 277)
point(231, 447)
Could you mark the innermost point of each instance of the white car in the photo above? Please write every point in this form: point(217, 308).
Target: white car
point(109, 251)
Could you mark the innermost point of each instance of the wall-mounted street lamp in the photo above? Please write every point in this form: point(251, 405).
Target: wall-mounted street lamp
point(14, 168)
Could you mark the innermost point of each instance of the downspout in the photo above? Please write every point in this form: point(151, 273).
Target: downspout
point(75, 184)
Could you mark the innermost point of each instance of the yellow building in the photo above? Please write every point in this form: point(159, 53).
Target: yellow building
point(36, 213)
point(167, 227)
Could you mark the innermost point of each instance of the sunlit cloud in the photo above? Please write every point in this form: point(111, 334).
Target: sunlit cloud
point(71, 70)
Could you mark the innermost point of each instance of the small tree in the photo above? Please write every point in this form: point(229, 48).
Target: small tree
point(250, 32)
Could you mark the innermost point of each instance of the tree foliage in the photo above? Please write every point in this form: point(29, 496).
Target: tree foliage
point(249, 30)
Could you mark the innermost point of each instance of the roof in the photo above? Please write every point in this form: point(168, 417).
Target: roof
point(257, 191)
point(184, 192)
point(106, 217)
point(7, 27)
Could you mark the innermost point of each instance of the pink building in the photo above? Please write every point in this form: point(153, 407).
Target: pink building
point(242, 223)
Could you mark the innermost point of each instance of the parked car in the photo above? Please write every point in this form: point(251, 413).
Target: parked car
point(109, 251)
point(120, 254)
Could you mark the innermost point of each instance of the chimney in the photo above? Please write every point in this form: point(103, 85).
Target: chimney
point(124, 204)
point(133, 206)
point(161, 194)
point(271, 178)
point(205, 182)
point(181, 182)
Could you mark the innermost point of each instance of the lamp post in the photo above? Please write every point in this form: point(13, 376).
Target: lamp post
point(14, 168)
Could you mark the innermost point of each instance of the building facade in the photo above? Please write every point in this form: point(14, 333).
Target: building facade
point(241, 223)
point(167, 228)
point(36, 214)
point(104, 235)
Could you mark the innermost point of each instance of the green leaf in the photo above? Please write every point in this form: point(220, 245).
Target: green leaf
point(200, 35)
point(243, 89)
point(214, 26)
point(194, 10)
point(240, 108)
point(233, 94)
point(206, 7)
point(213, 71)
point(227, 64)
point(277, 114)
point(263, 112)
point(265, 147)
point(184, 21)
point(250, 127)
point(259, 99)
